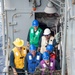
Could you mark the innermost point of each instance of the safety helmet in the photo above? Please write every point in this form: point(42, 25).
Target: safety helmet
point(35, 23)
point(50, 48)
point(46, 56)
point(32, 47)
point(47, 31)
point(18, 42)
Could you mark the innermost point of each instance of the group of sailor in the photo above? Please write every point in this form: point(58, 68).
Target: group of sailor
point(41, 52)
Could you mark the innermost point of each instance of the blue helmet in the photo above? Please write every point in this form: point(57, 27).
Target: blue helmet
point(32, 47)
point(35, 23)
point(46, 56)
point(50, 48)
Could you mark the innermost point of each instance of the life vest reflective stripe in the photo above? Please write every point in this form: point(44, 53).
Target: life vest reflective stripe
point(44, 43)
point(19, 57)
point(34, 36)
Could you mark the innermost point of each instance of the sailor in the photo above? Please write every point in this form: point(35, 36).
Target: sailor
point(34, 34)
point(17, 57)
point(47, 63)
point(46, 39)
point(50, 50)
point(32, 59)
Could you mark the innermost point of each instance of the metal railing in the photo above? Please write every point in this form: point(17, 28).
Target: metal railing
point(38, 71)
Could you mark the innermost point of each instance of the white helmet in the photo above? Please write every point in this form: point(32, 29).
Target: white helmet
point(47, 31)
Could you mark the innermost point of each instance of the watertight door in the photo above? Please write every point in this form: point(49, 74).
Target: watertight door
point(24, 21)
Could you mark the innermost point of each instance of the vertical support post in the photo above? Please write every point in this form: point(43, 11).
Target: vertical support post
point(64, 43)
point(7, 49)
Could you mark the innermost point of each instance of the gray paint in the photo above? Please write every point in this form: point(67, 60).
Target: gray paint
point(70, 55)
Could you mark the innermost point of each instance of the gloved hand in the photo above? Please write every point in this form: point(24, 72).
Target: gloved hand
point(15, 73)
point(26, 73)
